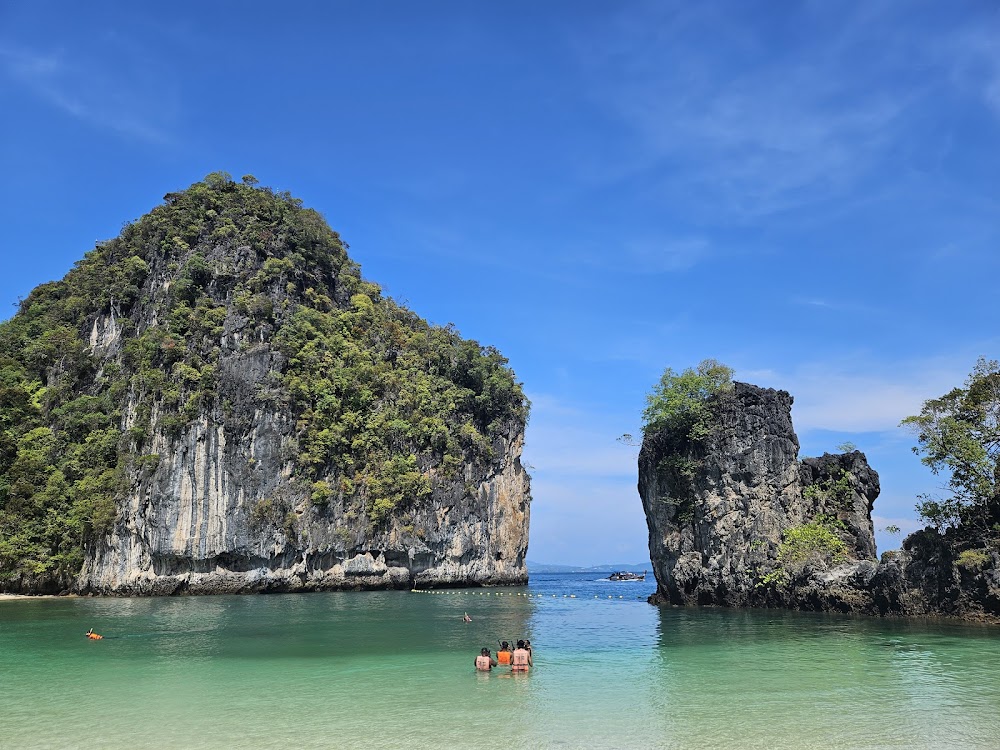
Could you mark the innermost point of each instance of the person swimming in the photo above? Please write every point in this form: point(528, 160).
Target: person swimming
point(467, 618)
point(93, 636)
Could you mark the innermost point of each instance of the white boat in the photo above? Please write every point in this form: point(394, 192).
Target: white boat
point(624, 575)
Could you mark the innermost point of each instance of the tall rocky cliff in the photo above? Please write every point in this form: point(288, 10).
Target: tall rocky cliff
point(736, 519)
point(215, 401)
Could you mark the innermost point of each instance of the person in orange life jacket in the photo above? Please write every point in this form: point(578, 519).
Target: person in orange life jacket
point(520, 660)
point(503, 655)
point(484, 662)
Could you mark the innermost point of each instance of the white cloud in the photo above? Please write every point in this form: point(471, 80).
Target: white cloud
point(586, 506)
point(775, 135)
point(643, 256)
point(838, 306)
point(973, 54)
point(565, 440)
point(861, 396)
point(130, 99)
point(731, 107)
point(649, 257)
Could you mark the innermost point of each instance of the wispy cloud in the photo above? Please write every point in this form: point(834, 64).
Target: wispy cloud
point(585, 522)
point(570, 440)
point(726, 106)
point(973, 56)
point(657, 256)
point(129, 100)
point(648, 256)
point(812, 302)
point(586, 506)
point(833, 306)
point(862, 396)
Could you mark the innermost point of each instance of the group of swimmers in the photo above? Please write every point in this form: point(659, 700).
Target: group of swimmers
point(518, 659)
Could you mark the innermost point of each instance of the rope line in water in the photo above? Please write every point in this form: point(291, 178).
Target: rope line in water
point(502, 593)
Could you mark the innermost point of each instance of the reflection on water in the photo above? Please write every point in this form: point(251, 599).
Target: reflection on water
point(787, 679)
point(395, 670)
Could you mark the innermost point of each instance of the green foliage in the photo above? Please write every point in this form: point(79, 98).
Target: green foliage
point(777, 577)
point(973, 560)
point(837, 489)
point(679, 400)
point(813, 542)
point(59, 460)
point(941, 513)
point(387, 402)
point(320, 493)
point(959, 435)
point(266, 512)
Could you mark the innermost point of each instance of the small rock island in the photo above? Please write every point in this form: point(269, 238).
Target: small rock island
point(736, 519)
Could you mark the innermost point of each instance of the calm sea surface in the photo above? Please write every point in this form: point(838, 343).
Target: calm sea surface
point(394, 670)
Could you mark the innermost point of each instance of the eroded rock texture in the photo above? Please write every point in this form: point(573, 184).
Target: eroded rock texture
point(209, 520)
point(719, 508)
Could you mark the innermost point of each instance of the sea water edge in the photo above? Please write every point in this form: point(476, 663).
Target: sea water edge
point(353, 669)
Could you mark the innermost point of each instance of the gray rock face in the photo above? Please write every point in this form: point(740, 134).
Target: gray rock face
point(719, 508)
point(214, 505)
point(716, 509)
point(218, 514)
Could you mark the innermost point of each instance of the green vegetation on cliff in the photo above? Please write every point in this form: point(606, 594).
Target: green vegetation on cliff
point(678, 410)
point(679, 401)
point(128, 347)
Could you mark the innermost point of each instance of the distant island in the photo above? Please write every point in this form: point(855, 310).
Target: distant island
point(536, 567)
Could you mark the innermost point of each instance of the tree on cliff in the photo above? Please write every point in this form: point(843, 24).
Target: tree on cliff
point(679, 400)
point(959, 434)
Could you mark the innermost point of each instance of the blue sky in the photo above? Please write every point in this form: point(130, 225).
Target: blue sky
point(806, 191)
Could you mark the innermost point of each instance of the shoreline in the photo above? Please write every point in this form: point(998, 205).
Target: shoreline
point(13, 597)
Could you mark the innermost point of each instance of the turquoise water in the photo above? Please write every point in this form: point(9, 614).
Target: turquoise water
point(394, 670)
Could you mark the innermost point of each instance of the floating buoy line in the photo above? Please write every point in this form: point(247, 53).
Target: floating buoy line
point(457, 592)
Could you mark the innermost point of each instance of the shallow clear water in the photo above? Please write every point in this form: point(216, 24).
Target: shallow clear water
point(394, 670)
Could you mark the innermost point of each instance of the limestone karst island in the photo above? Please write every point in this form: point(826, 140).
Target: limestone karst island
point(737, 519)
point(215, 402)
